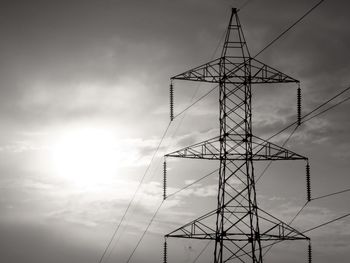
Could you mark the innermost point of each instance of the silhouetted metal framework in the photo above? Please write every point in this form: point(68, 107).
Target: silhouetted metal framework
point(238, 226)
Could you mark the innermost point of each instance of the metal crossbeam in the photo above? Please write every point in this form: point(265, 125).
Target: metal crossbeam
point(210, 72)
point(262, 150)
point(274, 229)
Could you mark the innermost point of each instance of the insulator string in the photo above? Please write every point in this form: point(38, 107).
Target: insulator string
point(165, 252)
point(308, 182)
point(299, 104)
point(171, 101)
point(309, 253)
point(164, 180)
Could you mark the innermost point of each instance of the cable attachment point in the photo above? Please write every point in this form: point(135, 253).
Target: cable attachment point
point(309, 253)
point(308, 182)
point(165, 253)
point(171, 101)
point(299, 104)
point(164, 180)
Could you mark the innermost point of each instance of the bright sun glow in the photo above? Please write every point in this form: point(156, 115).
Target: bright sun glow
point(86, 156)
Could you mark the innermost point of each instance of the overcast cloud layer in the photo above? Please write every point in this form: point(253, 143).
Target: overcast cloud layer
point(104, 66)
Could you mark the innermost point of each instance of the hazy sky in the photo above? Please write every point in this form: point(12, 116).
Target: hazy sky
point(84, 102)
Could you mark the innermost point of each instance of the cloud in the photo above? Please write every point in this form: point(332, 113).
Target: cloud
point(107, 64)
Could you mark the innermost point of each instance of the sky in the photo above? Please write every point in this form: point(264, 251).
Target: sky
point(84, 102)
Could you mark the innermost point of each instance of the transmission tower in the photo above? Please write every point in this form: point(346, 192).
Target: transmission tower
point(237, 225)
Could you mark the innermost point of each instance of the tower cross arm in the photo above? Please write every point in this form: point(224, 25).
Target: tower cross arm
point(234, 70)
point(208, 72)
point(276, 229)
point(265, 150)
point(197, 229)
point(262, 150)
point(262, 73)
point(209, 149)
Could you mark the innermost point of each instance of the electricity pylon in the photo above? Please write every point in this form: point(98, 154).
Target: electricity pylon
point(237, 225)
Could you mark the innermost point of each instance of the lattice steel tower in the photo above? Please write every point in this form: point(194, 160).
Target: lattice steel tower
point(237, 226)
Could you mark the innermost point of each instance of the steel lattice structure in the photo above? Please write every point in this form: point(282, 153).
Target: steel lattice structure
point(237, 226)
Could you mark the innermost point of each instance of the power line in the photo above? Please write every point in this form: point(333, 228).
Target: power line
point(314, 110)
point(133, 197)
point(289, 28)
point(326, 223)
point(126, 225)
point(189, 185)
point(297, 214)
point(155, 214)
point(317, 108)
point(201, 252)
point(144, 233)
point(331, 107)
point(196, 101)
point(327, 101)
point(327, 195)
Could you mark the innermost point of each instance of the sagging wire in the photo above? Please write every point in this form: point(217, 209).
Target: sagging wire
point(290, 27)
point(133, 197)
point(331, 194)
point(144, 233)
